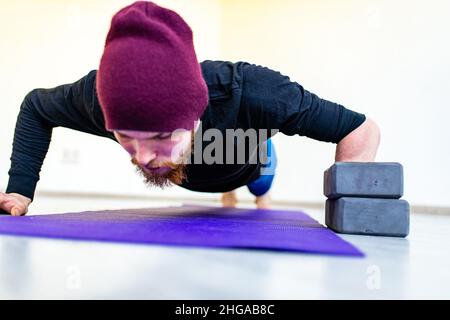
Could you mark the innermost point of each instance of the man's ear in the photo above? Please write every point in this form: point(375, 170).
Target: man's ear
point(116, 134)
point(197, 125)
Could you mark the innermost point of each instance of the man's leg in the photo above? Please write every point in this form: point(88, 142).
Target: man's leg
point(261, 186)
point(229, 199)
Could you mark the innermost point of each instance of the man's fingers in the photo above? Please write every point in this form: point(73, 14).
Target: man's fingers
point(4, 204)
point(17, 211)
point(13, 205)
point(4, 197)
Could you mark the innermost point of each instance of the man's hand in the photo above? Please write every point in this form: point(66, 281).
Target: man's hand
point(360, 145)
point(14, 203)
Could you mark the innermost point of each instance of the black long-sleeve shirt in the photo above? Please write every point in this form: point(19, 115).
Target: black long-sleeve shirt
point(241, 95)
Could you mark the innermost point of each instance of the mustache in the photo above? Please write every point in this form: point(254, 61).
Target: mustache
point(169, 164)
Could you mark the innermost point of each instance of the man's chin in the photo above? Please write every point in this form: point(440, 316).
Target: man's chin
point(155, 179)
point(162, 177)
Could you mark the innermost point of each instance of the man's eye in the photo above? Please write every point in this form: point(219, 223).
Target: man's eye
point(164, 136)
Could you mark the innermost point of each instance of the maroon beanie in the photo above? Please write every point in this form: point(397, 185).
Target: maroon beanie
point(149, 78)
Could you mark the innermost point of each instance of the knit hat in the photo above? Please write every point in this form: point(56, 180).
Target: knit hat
point(149, 78)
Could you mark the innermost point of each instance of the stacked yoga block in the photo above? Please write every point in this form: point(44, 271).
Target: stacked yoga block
point(364, 198)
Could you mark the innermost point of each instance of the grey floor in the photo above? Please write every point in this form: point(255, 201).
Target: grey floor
point(36, 268)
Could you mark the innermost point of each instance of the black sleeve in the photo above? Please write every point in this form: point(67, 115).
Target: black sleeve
point(275, 102)
point(73, 106)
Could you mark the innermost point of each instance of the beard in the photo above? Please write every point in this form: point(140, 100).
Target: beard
point(175, 175)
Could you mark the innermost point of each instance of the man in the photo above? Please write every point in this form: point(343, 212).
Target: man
point(152, 96)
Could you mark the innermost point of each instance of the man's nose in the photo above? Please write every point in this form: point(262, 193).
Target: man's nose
point(144, 155)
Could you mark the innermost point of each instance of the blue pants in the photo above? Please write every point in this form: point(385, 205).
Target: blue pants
point(263, 183)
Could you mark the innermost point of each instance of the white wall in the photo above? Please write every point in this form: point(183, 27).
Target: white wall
point(388, 59)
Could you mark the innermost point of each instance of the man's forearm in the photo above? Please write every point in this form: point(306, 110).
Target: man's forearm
point(360, 145)
point(31, 142)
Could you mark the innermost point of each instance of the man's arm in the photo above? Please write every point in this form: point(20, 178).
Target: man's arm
point(72, 106)
point(276, 102)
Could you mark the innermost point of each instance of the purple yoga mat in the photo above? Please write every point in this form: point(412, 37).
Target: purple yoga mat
point(200, 226)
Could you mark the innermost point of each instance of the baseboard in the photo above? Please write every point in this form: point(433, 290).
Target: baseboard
point(214, 198)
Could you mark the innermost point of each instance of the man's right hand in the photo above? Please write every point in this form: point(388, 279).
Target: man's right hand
point(14, 203)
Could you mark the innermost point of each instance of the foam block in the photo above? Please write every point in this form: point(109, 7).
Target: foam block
point(364, 179)
point(368, 216)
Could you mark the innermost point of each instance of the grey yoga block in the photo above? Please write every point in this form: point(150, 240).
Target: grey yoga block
point(368, 216)
point(364, 179)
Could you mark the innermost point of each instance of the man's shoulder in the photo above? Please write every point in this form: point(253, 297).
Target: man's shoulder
point(222, 77)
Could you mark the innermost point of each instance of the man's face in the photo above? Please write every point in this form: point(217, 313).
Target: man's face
point(160, 157)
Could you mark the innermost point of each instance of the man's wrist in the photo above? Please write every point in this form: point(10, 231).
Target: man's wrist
point(22, 185)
